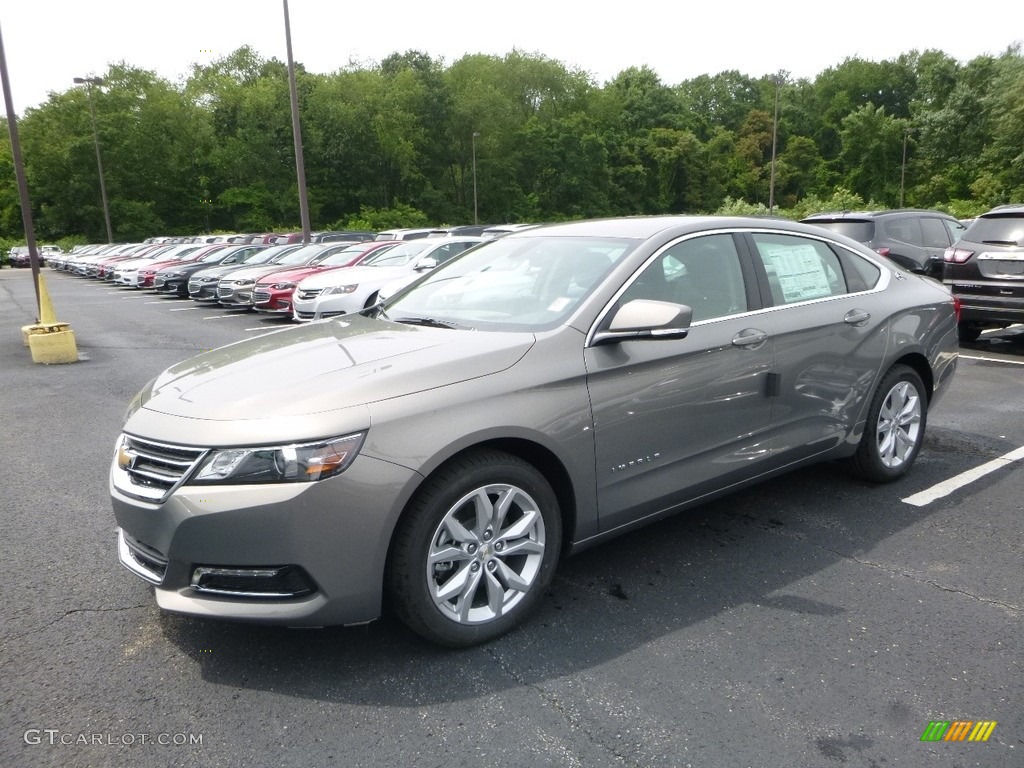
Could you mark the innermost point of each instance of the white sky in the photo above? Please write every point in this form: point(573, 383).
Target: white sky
point(49, 42)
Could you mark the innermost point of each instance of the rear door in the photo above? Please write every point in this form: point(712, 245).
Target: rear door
point(830, 329)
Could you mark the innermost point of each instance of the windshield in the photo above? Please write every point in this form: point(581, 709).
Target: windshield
point(302, 256)
point(526, 283)
point(217, 255)
point(346, 255)
point(399, 256)
point(859, 230)
point(996, 230)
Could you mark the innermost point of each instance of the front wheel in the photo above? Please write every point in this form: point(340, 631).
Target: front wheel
point(476, 549)
point(895, 427)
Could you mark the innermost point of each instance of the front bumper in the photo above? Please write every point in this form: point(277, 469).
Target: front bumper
point(336, 531)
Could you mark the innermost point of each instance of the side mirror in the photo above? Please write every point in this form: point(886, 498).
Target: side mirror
point(428, 263)
point(646, 319)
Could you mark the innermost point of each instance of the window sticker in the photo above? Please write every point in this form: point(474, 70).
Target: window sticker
point(801, 274)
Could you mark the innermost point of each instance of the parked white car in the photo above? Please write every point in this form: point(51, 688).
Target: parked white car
point(340, 292)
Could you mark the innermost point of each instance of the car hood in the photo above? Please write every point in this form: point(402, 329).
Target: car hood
point(323, 367)
point(355, 275)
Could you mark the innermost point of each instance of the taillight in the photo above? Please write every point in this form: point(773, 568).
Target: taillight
point(956, 255)
point(882, 251)
point(956, 309)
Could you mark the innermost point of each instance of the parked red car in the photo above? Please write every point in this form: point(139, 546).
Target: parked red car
point(273, 293)
point(147, 275)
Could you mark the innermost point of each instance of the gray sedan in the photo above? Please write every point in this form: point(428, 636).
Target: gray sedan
point(540, 394)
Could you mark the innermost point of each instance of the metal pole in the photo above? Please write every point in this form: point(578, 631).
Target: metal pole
point(476, 218)
point(19, 172)
point(903, 170)
point(775, 138)
point(89, 82)
point(300, 166)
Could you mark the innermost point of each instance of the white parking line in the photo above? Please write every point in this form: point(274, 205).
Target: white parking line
point(993, 359)
point(185, 309)
point(214, 317)
point(947, 487)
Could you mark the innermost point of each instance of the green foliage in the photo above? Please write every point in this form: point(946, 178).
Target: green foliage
point(378, 219)
point(520, 137)
point(731, 207)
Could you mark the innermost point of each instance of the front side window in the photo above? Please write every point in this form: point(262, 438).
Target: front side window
point(703, 273)
point(799, 269)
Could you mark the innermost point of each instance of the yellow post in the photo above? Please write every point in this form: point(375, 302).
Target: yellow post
point(50, 341)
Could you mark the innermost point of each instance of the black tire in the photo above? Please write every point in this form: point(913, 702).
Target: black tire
point(486, 588)
point(895, 427)
point(967, 332)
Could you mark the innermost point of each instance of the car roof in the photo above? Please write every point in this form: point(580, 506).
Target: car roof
point(1012, 209)
point(857, 215)
point(644, 227)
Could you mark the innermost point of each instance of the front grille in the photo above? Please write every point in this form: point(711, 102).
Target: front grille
point(223, 293)
point(258, 297)
point(304, 315)
point(194, 288)
point(155, 469)
point(159, 282)
point(309, 293)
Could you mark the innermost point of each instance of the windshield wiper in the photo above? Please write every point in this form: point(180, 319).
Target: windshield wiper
point(430, 322)
point(378, 308)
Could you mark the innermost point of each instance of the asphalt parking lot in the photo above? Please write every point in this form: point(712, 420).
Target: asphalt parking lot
point(815, 620)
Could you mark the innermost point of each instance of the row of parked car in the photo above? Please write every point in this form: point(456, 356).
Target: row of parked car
point(304, 281)
point(980, 260)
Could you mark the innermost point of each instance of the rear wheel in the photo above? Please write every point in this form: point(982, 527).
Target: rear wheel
point(895, 427)
point(476, 550)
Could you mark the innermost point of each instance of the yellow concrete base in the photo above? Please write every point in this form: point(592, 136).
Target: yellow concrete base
point(51, 343)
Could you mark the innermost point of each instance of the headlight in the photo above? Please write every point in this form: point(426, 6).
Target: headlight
point(299, 463)
point(282, 286)
point(341, 289)
point(207, 279)
point(245, 282)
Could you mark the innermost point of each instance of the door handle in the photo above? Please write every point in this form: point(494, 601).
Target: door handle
point(856, 317)
point(749, 337)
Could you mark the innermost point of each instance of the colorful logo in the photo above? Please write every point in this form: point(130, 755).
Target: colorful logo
point(958, 730)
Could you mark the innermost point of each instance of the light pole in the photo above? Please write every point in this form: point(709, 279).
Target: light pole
point(903, 169)
point(476, 218)
point(300, 165)
point(89, 83)
point(778, 80)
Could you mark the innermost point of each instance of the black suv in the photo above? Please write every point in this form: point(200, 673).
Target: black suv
point(985, 271)
point(914, 239)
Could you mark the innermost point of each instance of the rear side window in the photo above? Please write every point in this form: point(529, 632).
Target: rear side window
point(996, 230)
point(906, 230)
point(799, 269)
point(935, 233)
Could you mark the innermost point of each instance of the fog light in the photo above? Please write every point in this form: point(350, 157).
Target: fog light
point(265, 582)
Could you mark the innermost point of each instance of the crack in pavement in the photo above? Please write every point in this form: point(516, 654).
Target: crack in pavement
point(555, 702)
point(73, 611)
